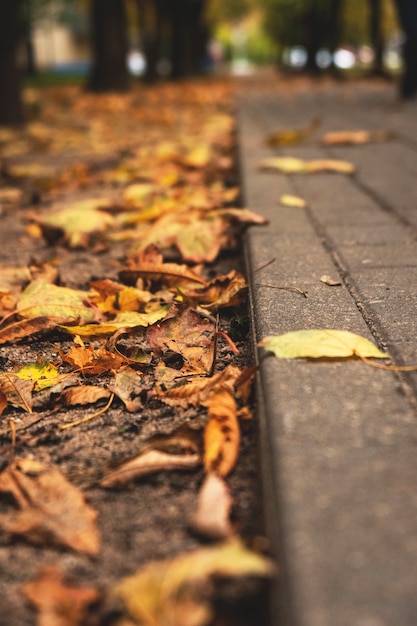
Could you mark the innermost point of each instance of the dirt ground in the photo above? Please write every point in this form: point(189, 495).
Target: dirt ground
point(148, 519)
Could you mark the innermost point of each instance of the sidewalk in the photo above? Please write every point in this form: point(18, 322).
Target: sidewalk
point(339, 439)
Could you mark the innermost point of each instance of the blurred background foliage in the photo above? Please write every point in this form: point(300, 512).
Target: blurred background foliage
point(108, 44)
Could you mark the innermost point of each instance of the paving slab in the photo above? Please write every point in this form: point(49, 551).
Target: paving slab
point(338, 439)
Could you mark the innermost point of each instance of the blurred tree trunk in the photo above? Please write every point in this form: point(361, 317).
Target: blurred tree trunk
point(109, 46)
point(314, 27)
point(31, 68)
point(189, 38)
point(150, 14)
point(11, 110)
point(376, 35)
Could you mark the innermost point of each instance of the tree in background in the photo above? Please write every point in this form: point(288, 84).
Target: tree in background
point(109, 46)
point(11, 111)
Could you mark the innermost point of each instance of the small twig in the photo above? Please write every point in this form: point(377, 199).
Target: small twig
point(390, 368)
point(296, 289)
point(229, 341)
point(262, 267)
point(88, 417)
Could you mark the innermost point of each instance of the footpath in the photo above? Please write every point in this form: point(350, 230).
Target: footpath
point(339, 438)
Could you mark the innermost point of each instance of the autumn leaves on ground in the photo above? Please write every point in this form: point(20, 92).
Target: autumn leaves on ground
point(129, 492)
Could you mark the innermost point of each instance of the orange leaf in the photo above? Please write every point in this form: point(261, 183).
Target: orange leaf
point(58, 604)
point(222, 433)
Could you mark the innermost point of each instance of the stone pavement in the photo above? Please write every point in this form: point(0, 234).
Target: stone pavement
point(338, 439)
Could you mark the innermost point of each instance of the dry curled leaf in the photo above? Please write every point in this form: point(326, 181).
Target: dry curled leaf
point(222, 433)
point(355, 137)
point(17, 391)
point(292, 165)
point(214, 505)
point(328, 280)
point(59, 604)
point(149, 462)
point(51, 511)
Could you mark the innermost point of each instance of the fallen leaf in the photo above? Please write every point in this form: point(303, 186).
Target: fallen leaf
point(344, 137)
point(149, 462)
point(198, 390)
point(222, 291)
point(188, 335)
point(43, 374)
point(3, 401)
point(321, 343)
point(328, 280)
point(127, 319)
point(57, 603)
point(170, 592)
point(77, 223)
point(69, 305)
point(51, 510)
point(291, 136)
point(26, 328)
point(167, 273)
point(214, 505)
point(90, 360)
point(127, 386)
point(17, 391)
point(10, 195)
point(222, 433)
point(83, 394)
point(291, 165)
point(292, 201)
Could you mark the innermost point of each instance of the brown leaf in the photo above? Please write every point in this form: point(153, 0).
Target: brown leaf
point(212, 518)
point(198, 390)
point(83, 394)
point(51, 509)
point(25, 328)
point(57, 603)
point(222, 433)
point(3, 401)
point(167, 273)
point(188, 335)
point(127, 386)
point(149, 462)
point(222, 291)
point(17, 391)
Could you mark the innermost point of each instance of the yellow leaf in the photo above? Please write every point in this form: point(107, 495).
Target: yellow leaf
point(127, 319)
point(43, 374)
point(321, 343)
point(291, 165)
point(222, 433)
point(330, 165)
point(198, 157)
point(292, 201)
point(41, 299)
point(78, 222)
point(169, 592)
point(355, 137)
